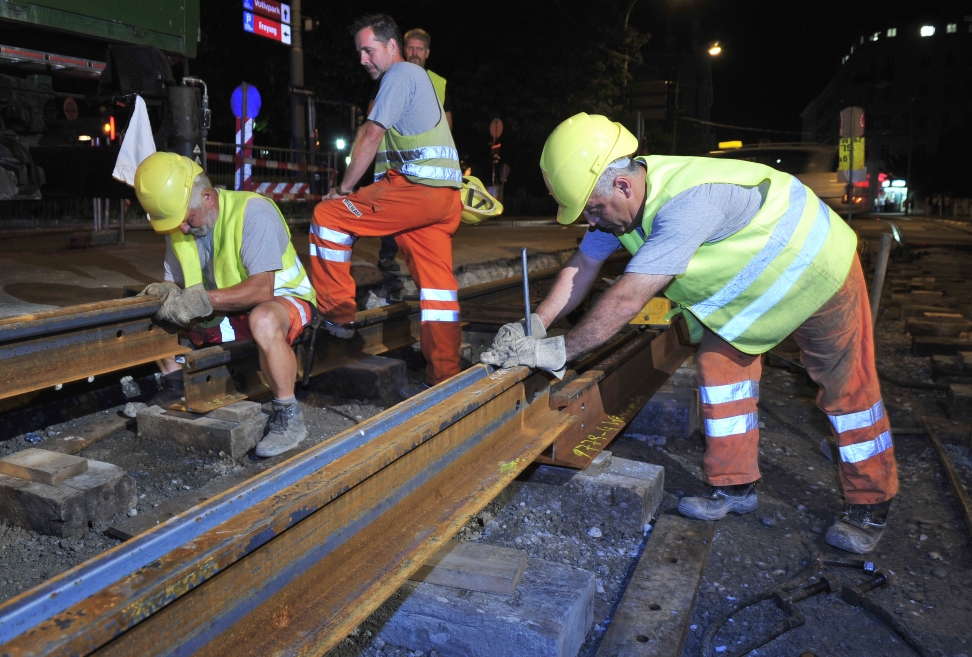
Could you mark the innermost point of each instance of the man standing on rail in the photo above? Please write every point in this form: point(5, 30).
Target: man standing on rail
point(749, 255)
point(414, 197)
point(230, 273)
point(417, 50)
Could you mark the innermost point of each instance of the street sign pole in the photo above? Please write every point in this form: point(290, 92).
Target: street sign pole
point(851, 142)
point(297, 112)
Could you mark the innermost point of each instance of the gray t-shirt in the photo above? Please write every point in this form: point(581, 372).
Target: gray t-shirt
point(406, 100)
point(704, 213)
point(264, 242)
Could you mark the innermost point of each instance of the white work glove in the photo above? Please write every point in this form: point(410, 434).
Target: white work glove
point(512, 332)
point(548, 354)
point(157, 289)
point(180, 306)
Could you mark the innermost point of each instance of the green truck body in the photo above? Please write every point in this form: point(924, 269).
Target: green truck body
point(169, 25)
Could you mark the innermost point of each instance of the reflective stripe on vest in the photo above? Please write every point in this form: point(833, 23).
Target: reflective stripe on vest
point(731, 426)
point(331, 255)
point(863, 451)
point(433, 315)
point(859, 420)
point(431, 294)
point(729, 393)
point(285, 276)
point(332, 236)
point(425, 153)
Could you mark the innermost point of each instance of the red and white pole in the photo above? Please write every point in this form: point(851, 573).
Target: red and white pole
point(237, 161)
point(248, 153)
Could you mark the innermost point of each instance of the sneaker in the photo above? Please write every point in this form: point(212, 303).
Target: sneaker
point(285, 430)
point(390, 265)
point(859, 527)
point(717, 501)
point(343, 331)
point(411, 389)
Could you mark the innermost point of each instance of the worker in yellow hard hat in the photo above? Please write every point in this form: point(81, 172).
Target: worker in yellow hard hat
point(749, 255)
point(231, 273)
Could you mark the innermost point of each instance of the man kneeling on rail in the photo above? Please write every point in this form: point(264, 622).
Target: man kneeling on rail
point(749, 255)
point(231, 273)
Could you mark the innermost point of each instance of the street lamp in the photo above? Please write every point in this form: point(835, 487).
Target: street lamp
point(715, 48)
point(340, 143)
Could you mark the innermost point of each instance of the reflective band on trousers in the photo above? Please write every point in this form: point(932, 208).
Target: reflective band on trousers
point(431, 294)
point(421, 171)
point(333, 236)
point(424, 153)
point(859, 420)
point(440, 315)
point(729, 393)
point(865, 450)
point(226, 331)
point(754, 268)
point(333, 255)
point(730, 426)
point(300, 309)
point(779, 289)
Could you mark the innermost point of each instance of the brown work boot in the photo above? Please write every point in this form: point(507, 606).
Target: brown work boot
point(859, 527)
point(717, 501)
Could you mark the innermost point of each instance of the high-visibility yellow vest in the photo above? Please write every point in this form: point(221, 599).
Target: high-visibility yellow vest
point(756, 286)
point(439, 84)
point(228, 269)
point(429, 158)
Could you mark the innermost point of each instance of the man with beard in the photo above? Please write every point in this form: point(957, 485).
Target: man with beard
point(415, 197)
point(230, 273)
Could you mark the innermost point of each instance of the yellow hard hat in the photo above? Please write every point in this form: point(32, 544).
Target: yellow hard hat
point(478, 205)
point(163, 182)
point(575, 156)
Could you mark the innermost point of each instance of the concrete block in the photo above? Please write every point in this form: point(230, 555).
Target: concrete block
point(599, 465)
point(625, 496)
point(937, 327)
point(548, 617)
point(203, 431)
point(237, 411)
point(474, 567)
point(670, 413)
point(66, 509)
point(959, 402)
point(930, 346)
point(374, 378)
point(42, 466)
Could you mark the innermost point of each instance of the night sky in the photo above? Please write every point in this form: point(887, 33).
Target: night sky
point(534, 64)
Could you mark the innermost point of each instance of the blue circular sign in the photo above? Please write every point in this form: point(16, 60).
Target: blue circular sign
point(253, 102)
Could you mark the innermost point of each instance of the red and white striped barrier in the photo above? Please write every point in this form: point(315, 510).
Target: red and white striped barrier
point(266, 164)
point(286, 191)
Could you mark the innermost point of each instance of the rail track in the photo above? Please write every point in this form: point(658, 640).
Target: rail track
point(292, 560)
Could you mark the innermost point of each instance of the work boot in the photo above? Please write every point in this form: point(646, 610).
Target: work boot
point(390, 265)
point(343, 331)
point(859, 527)
point(285, 430)
point(173, 391)
point(717, 501)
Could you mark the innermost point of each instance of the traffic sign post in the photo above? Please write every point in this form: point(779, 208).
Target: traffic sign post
point(245, 103)
point(495, 131)
point(851, 167)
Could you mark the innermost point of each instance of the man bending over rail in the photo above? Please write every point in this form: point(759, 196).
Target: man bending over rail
point(749, 255)
point(230, 273)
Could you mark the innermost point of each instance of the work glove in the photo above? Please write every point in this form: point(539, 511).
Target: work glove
point(512, 332)
point(180, 306)
point(548, 354)
point(158, 289)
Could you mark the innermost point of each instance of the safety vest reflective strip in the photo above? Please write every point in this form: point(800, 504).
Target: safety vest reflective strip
point(729, 393)
point(863, 451)
point(434, 315)
point(731, 426)
point(431, 294)
point(333, 236)
point(285, 277)
point(331, 255)
point(858, 420)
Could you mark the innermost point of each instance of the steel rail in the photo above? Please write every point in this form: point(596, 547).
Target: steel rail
point(73, 318)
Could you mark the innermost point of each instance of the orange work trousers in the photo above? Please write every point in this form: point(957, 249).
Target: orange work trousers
point(423, 220)
point(837, 348)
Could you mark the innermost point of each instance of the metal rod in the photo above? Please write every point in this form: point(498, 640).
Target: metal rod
point(526, 291)
point(958, 490)
point(880, 269)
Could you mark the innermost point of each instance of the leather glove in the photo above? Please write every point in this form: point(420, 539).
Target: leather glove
point(512, 332)
point(548, 354)
point(158, 289)
point(182, 306)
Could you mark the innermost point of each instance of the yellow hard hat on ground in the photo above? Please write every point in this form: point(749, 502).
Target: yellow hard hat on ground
point(163, 182)
point(575, 156)
point(478, 205)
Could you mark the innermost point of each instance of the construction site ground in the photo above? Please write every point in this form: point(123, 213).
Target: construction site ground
point(927, 547)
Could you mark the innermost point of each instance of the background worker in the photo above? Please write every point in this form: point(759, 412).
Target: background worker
point(750, 255)
point(414, 197)
point(417, 44)
point(229, 253)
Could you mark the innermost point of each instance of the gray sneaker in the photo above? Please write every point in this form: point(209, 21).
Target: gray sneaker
point(285, 430)
point(859, 527)
point(717, 501)
point(343, 331)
